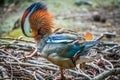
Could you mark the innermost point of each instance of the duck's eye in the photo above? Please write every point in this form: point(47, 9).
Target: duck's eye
point(30, 30)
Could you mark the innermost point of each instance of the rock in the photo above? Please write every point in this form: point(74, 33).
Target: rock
point(109, 35)
point(98, 18)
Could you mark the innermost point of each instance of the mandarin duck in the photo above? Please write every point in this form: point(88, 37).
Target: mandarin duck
point(63, 49)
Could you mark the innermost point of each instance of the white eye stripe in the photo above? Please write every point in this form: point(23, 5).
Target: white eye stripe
point(27, 28)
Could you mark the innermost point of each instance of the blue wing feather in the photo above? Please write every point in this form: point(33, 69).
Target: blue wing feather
point(74, 49)
point(61, 38)
point(88, 45)
point(84, 48)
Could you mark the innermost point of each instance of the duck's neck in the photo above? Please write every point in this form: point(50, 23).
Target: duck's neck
point(42, 42)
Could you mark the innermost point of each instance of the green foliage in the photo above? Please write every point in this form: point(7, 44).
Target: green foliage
point(55, 6)
point(105, 3)
point(8, 24)
point(15, 33)
point(68, 24)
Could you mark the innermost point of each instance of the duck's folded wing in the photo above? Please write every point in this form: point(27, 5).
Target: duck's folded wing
point(62, 38)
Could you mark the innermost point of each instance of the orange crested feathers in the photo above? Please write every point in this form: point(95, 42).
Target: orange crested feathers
point(41, 22)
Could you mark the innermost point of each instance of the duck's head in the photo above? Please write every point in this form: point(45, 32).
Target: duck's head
point(36, 21)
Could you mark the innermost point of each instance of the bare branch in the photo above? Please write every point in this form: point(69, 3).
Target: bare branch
point(105, 74)
point(17, 39)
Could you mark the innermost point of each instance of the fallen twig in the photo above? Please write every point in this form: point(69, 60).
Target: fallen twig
point(105, 74)
point(8, 38)
point(75, 73)
point(15, 63)
point(25, 47)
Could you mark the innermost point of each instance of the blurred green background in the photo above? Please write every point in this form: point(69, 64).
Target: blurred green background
point(64, 11)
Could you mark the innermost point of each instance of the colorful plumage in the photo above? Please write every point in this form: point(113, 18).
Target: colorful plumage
point(63, 49)
point(34, 19)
